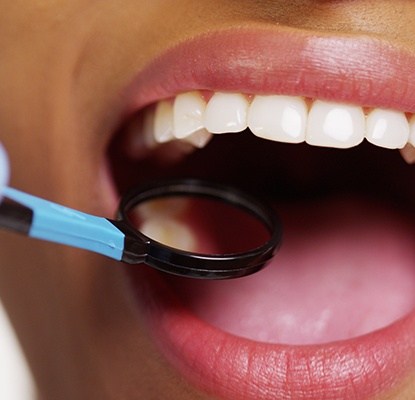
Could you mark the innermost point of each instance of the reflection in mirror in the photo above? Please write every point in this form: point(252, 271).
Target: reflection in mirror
point(199, 224)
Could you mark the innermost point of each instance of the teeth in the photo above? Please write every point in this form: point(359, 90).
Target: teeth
point(335, 125)
point(160, 220)
point(168, 207)
point(386, 128)
point(412, 130)
point(189, 109)
point(200, 138)
point(163, 122)
point(279, 118)
point(190, 120)
point(226, 112)
point(140, 135)
point(169, 232)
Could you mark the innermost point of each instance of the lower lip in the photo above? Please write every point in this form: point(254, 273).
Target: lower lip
point(374, 365)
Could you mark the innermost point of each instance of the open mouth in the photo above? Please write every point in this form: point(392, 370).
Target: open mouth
point(332, 315)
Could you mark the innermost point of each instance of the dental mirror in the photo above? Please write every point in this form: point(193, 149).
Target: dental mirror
point(186, 227)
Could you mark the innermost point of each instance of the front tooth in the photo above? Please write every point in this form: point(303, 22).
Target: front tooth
point(169, 232)
point(163, 122)
point(279, 118)
point(226, 112)
point(387, 128)
point(335, 125)
point(189, 109)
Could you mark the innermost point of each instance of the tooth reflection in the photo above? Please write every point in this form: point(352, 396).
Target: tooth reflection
point(164, 208)
point(170, 232)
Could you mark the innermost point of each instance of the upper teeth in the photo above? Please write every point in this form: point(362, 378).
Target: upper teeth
point(288, 119)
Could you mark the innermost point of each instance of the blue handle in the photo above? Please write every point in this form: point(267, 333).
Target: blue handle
point(59, 224)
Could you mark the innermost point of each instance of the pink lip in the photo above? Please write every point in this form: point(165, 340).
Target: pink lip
point(362, 71)
point(235, 368)
point(358, 70)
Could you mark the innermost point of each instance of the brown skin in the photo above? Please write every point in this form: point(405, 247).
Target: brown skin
point(63, 64)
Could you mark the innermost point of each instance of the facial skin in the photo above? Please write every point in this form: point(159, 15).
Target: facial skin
point(64, 64)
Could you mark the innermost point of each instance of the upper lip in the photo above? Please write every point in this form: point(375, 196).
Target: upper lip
point(360, 70)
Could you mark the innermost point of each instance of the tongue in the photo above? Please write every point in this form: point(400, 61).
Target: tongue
point(346, 268)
